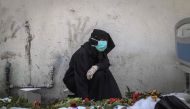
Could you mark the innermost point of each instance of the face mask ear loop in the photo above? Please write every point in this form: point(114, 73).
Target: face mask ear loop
point(94, 39)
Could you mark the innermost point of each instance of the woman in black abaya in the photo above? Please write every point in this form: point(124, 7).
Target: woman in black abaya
point(88, 74)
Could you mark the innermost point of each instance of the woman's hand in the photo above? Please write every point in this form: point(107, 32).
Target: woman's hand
point(91, 72)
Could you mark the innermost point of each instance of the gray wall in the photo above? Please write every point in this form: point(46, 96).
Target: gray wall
point(143, 30)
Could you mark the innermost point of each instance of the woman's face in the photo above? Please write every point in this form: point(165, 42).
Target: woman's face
point(98, 38)
point(101, 43)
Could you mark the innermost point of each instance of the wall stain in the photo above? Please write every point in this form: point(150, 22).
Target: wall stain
point(7, 55)
point(121, 61)
point(114, 17)
point(28, 42)
point(14, 30)
point(5, 39)
point(28, 46)
point(72, 10)
point(4, 25)
point(9, 33)
point(78, 31)
point(59, 58)
point(8, 27)
point(13, 25)
point(3, 10)
point(37, 66)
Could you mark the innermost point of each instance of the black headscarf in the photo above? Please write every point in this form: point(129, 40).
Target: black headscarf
point(101, 34)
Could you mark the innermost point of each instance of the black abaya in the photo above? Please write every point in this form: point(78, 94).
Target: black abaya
point(102, 85)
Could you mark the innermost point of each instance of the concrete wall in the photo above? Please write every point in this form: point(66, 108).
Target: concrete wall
point(143, 30)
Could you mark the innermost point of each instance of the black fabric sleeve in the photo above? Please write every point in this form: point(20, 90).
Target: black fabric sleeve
point(103, 64)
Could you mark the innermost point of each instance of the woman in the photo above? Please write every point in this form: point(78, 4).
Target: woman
point(88, 74)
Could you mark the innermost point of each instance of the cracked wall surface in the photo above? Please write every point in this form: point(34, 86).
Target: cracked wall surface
point(38, 35)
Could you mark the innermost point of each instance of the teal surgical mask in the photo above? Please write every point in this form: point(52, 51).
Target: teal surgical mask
point(101, 46)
